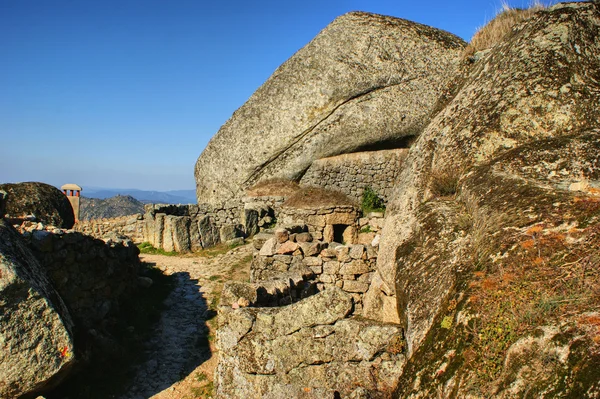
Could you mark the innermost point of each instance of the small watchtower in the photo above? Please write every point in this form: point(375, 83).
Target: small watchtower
point(73, 192)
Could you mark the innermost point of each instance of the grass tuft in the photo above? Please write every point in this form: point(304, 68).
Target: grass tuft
point(493, 32)
point(312, 197)
point(371, 201)
point(273, 188)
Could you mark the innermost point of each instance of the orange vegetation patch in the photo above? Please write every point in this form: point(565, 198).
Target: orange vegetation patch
point(313, 197)
point(273, 188)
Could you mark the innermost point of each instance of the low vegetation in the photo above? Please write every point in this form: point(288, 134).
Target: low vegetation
point(493, 32)
point(444, 183)
point(371, 201)
point(311, 197)
point(273, 188)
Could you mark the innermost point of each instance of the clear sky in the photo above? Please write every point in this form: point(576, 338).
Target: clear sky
point(127, 93)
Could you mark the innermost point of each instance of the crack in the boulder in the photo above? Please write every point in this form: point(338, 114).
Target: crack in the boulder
point(260, 169)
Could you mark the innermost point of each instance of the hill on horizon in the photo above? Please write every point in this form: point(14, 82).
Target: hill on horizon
point(119, 205)
point(144, 196)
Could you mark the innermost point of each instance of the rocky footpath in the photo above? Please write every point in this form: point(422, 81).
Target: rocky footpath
point(366, 81)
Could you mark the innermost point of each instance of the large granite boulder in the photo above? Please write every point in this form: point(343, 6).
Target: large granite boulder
point(365, 81)
point(494, 216)
point(306, 350)
point(47, 203)
point(35, 326)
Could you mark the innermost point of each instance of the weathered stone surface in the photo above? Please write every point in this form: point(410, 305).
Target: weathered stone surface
point(230, 231)
point(282, 235)
point(364, 80)
point(484, 193)
point(47, 203)
point(258, 240)
point(287, 247)
point(269, 247)
point(263, 352)
point(250, 220)
point(209, 233)
point(35, 326)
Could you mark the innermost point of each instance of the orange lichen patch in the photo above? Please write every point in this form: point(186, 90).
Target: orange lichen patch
point(538, 261)
point(306, 389)
point(479, 274)
point(534, 230)
point(594, 191)
point(489, 284)
point(592, 320)
point(507, 278)
point(528, 244)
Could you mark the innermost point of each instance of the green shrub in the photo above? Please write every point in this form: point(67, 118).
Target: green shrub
point(371, 202)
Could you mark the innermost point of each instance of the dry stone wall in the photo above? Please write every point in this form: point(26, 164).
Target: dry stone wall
point(327, 265)
point(184, 228)
point(92, 276)
point(131, 226)
point(327, 223)
point(352, 173)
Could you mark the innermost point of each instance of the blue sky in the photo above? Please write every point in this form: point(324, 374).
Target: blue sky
point(127, 93)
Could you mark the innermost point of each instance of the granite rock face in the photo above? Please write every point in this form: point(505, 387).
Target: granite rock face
point(366, 81)
point(540, 82)
point(497, 202)
point(35, 326)
point(47, 203)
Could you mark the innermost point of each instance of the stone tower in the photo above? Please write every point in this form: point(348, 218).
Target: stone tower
point(72, 191)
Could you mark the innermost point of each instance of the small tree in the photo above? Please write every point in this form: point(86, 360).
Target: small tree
point(371, 202)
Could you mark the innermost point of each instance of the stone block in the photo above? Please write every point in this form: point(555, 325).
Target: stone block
point(328, 233)
point(331, 267)
point(287, 259)
point(287, 247)
point(349, 235)
point(357, 251)
point(343, 253)
point(268, 248)
point(312, 261)
point(282, 235)
point(355, 286)
point(304, 237)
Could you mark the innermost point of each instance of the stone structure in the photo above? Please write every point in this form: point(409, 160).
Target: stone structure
point(365, 82)
point(328, 223)
point(73, 193)
point(326, 265)
point(131, 226)
point(310, 349)
point(184, 228)
point(91, 275)
point(39, 201)
point(352, 173)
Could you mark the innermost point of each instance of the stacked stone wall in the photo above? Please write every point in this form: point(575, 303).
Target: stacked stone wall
point(131, 226)
point(184, 228)
point(324, 223)
point(352, 173)
point(92, 276)
point(327, 265)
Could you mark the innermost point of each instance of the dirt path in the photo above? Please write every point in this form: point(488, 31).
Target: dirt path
point(181, 354)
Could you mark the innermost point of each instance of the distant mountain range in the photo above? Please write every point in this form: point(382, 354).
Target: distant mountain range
point(119, 205)
point(147, 197)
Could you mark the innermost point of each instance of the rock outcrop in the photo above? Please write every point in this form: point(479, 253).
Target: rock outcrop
point(366, 81)
point(35, 326)
point(306, 350)
point(494, 217)
point(47, 203)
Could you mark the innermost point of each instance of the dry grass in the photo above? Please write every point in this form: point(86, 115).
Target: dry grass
point(273, 188)
point(500, 26)
point(312, 197)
